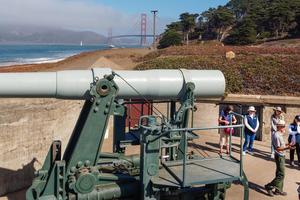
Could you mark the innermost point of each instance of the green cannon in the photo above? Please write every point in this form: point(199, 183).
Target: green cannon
point(162, 170)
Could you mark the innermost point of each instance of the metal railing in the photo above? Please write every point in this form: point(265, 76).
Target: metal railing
point(186, 130)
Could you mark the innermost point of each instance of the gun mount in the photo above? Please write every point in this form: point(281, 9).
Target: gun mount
point(162, 170)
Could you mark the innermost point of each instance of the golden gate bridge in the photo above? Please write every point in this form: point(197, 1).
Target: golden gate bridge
point(143, 35)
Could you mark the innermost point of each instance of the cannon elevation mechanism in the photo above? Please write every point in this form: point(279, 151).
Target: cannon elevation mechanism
point(163, 170)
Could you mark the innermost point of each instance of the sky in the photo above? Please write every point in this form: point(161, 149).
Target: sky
point(167, 8)
point(122, 16)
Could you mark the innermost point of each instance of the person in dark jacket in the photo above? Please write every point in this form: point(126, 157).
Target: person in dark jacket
point(225, 119)
point(251, 127)
point(294, 133)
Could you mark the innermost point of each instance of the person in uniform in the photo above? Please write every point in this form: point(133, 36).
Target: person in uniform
point(279, 155)
point(277, 115)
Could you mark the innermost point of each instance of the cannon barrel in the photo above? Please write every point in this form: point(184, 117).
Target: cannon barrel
point(75, 84)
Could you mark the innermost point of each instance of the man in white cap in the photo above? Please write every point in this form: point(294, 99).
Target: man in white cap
point(279, 148)
point(251, 127)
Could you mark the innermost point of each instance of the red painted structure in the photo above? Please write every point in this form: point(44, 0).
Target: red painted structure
point(135, 110)
point(143, 29)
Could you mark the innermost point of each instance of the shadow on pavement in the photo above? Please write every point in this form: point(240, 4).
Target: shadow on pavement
point(15, 181)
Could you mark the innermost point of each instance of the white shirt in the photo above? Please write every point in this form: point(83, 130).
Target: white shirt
point(249, 127)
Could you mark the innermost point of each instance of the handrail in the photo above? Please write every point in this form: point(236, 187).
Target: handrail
point(186, 130)
point(241, 140)
point(204, 128)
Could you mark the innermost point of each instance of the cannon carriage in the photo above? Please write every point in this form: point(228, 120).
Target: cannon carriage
point(162, 170)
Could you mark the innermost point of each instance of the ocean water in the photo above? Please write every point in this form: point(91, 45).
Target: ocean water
point(30, 54)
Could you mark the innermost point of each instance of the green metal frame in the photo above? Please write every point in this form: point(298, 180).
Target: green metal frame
point(86, 173)
point(217, 183)
point(76, 172)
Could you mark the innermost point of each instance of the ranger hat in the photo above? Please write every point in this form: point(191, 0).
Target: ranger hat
point(251, 108)
point(280, 123)
point(278, 108)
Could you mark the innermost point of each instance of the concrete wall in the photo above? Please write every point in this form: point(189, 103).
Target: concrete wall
point(206, 116)
point(290, 112)
point(291, 106)
point(27, 129)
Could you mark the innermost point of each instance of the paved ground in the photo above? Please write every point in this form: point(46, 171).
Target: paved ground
point(259, 168)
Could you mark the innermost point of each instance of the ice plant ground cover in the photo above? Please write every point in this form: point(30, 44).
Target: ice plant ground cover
point(254, 70)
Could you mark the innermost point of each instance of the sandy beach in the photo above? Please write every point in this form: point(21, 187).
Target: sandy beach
point(113, 58)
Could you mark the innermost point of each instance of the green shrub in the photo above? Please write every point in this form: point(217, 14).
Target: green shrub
point(244, 33)
point(264, 35)
point(170, 38)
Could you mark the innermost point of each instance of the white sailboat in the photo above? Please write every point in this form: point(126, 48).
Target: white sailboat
point(81, 43)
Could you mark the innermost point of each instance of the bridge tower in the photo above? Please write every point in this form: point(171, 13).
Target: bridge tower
point(143, 29)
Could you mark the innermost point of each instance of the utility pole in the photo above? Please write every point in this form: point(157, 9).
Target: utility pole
point(154, 26)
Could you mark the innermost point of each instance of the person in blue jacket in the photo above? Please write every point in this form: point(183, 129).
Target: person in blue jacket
point(293, 139)
point(251, 127)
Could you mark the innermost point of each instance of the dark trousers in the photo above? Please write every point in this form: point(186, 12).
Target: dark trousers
point(292, 151)
point(277, 182)
point(249, 139)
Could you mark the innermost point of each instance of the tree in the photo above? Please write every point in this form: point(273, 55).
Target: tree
point(257, 12)
point(242, 21)
point(188, 22)
point(169, 38)
point(238, 7)
point(244, 33)
point(176, 26)
point(219, 20)
point(281, 17)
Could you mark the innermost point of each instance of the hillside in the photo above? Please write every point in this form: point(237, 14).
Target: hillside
point(254, 70)
point(23, 34)
point(294, 43)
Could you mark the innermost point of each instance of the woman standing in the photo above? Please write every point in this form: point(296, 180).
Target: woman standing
point(224, 120)
point(275, 118)
point(251, 127)
point(294, 132)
